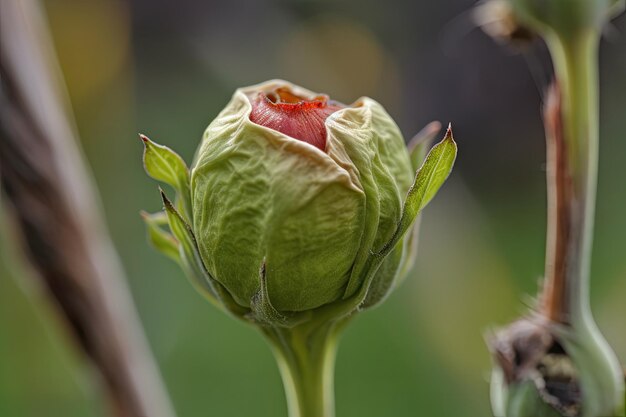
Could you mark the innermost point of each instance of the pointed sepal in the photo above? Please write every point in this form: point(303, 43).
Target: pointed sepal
point(193, 265)
point(418, 148)
point(188, 250)
point(419, 145)
point(159, 238)
point(165, 165)
point(429, 178)
point(264, 313)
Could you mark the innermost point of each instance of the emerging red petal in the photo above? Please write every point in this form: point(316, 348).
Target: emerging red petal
point(295, 116)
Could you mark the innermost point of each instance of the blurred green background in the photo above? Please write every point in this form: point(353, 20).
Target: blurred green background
point(166, 68)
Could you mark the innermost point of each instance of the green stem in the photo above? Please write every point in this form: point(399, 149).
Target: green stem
point(575, 62)
point(306, 358)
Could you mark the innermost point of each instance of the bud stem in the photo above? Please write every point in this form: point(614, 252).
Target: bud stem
point(572, 177)
point(564, 327)
point(306, 358)
point(573, 141)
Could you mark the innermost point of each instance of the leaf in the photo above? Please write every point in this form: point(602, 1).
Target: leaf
point(420, 143)
point(160, 239)
point(418, 147)
point(193, 265)
point(190, 259)
point(429, 178)
point(165, 165)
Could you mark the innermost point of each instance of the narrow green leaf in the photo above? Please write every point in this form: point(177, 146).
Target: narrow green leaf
point(418, 147)
point(159, 218)
point(429, 178)
point(190, 259)
point(160, 239)
point(165, 165)
point(420, 143)
point(193, 265)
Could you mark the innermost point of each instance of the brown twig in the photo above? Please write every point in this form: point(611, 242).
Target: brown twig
point(48, 189)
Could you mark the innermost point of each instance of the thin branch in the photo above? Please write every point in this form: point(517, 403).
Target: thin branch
point(50, 195)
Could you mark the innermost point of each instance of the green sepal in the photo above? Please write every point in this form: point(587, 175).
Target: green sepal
point(418, 148)
point(159, 238)
point(165, 165)
point(379, 289)
point(374, 145)
point(419, 145)
point(264, 313)
point(193, 265)
point(340, 310)
point(386, 275)
point(599, 372)
point(429, 178)
point(523, 400)
point(356, 302)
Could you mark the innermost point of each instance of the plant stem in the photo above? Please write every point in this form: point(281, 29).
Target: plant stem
point(572, 171)
point(573, 141)
point(306, 359)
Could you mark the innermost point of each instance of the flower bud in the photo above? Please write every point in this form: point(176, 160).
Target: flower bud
point(296, 202)
point(563, 17)
point(497, 19)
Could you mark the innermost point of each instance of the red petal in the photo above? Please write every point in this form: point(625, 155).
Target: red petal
point(294, 116)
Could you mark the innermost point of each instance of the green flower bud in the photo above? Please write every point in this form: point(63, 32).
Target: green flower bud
point(295, 202)
point(293, 217)
point(309, 214)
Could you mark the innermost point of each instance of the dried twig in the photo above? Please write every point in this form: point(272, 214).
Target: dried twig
point(55, 210)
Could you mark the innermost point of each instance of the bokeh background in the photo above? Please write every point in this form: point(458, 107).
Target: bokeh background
point(165, 68)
